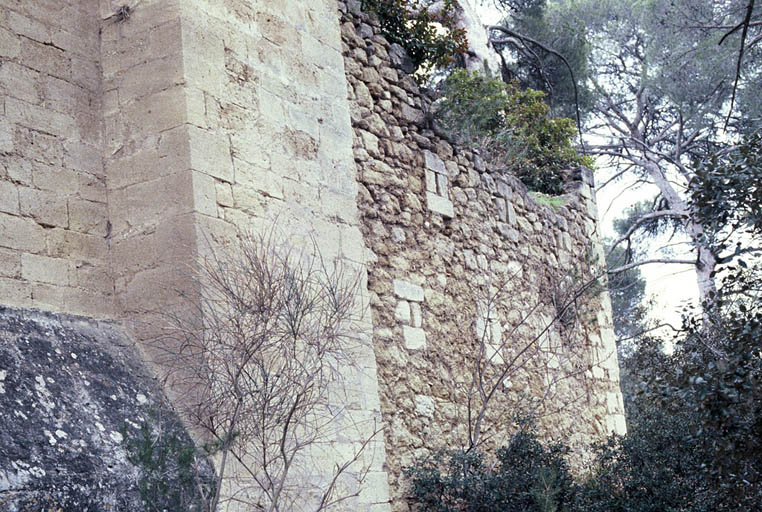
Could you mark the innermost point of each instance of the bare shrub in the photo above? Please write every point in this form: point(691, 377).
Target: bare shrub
point(254, 351)
point(543, 341)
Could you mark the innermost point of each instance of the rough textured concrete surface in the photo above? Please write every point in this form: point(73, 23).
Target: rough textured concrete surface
point(74, 396)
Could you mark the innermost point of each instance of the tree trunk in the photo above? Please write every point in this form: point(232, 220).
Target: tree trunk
point(706, 261)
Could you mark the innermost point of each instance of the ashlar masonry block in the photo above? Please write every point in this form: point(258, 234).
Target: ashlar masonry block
point(616, 424)
point(440, 205)
point(437, 185)
point(44, 269)
point(9, 198)
point(417, 317)
point(414, 338)
point(433, 162)
point(408, 291)
point(402, 311)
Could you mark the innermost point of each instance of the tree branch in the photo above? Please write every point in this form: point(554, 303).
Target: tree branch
point(642, 220)
point(625, 268)
point(521, 37)
point(745, 24)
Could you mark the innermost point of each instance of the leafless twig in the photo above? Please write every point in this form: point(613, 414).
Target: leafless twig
point(258, 351)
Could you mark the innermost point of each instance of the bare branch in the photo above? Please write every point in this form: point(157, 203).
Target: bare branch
point(272, 328)
point(745, 24)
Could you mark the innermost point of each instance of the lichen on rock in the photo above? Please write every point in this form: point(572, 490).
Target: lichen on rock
point(76, 403)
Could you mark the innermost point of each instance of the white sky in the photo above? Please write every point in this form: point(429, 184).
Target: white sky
point(489, 14)
point(670, 286)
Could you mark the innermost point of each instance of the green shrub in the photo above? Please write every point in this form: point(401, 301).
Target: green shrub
point(511, 127)
point(410, 24)
point(527, 476)
point(664, 464)
point(170, 471)
point(656, 467)
point(695, 416)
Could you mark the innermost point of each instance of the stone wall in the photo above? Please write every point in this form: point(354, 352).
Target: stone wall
point(231, 116)
point(153, 182)
point(470, 275)
point(53, 208)
point(139, 136)
point(135, 141)
point(269, 134)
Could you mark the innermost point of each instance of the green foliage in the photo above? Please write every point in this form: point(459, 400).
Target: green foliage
point(535, 68)
point(661, 82)
point(655, 468)
point(726, 191)
point(546, 200)
point(628, 288)
point(719, 376)
point(527, 476)
point(659, 45)
point(511, 127)
point(169, 472)
point(695, 417)
point(410, 24)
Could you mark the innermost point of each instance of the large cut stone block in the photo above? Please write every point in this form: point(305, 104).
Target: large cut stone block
point(440, 205)
point(415, 338)
point(433, 162)
point(408, 291)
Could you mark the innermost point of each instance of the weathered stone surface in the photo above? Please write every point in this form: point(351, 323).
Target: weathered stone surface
point(74, 397)
point(132, 146)
point(415, 338)
point(400, 58)
point(402, 312)
point(128, 146)
point(440, 205)
point(417, 318)
point(411, 114)
point(500, 239)
point(408, 291)
point(433, 162)
point(425, 406)
point(50, 144)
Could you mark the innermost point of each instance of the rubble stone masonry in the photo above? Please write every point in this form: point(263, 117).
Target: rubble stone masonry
point(133, 141)
point(472, 281)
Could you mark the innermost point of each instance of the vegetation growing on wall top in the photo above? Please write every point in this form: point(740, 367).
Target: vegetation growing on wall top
point(511, 128)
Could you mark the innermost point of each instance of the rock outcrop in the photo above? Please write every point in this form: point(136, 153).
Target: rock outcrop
point(76, 402)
